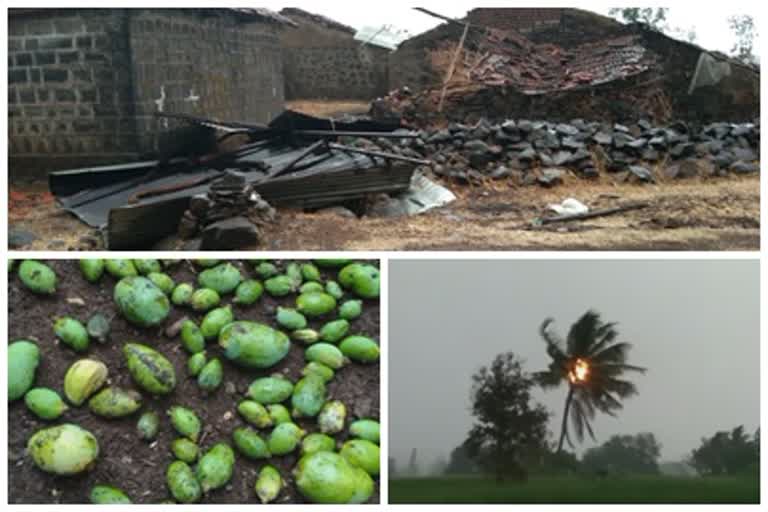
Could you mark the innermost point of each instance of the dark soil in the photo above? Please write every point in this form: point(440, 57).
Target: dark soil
point(125, 461)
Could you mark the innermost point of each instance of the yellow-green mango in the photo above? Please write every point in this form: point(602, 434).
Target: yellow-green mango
point(222, 278)
point(204, 299)
point(311, 287)
point(268, 484)
point(147, 266)
point(363, 454)
point(113, 402)
point(310, 272)
point(150, 369)
point(334, 331)
point(253, 345)
point(248, 292)
point(284, 438)
point(315, 304)
point(279, 414)
point(265, 270)
point(290, 319)
point(162, 281)
point(120, 268)
point(64, 449)
point(185, 421)
point(363, 487)
point(293, 272)
point(192, 337)
point(254, 413)
point(326, 354)
point(362, 279)
point(333, 289)
point(318, 369)
point(141, 302)
point(367, 429)
point(45, 403)
point(317, 442)
point(92, 269)
point(83, 379)
point(308, 396)
point(306, 336)
point(23, 358)
point(279, 285)
point(271, 390)
point(182, 483)
point(332, 416)
point(72, 333)
point(148, 426)
point(182, 294)
point(211, 374)
point(215, 320)
point(196, 363)
point(108, 495)
point(360, 348)
point(351, 309)
point(184, 449)
point(326, 477)
point(215, 467)
point(37, 277)
point(249, 443)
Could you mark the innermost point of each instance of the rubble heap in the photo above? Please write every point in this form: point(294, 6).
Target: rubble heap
point(230, 215)
point(540, 151)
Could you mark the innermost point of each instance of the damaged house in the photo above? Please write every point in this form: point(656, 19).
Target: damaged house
point(559, 63)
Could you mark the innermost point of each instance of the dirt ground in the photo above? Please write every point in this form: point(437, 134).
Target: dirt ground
point(126, 461)
point(714, 214)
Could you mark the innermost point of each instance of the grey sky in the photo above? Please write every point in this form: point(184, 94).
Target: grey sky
point(694, 325)
point(710, 21)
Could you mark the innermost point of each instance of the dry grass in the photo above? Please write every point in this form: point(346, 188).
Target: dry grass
point(322, 108)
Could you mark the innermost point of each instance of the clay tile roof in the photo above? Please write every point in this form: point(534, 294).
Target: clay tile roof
point(317, 18)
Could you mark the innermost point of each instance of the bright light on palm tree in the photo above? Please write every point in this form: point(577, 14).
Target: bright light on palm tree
point(591, 362)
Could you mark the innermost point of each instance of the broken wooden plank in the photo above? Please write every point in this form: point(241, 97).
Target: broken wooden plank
point(590, 215)
point(452, 67)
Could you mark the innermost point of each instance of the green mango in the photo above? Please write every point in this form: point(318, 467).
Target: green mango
point(192, 337)
point(185, 421)
point(279, 413)
point(215, 320)
point(318, 369)
point(333, 289)
point(279, 286)
point(363, 487)
point(206, 263)
point(290, 319)
point(310, 272)
point(285, 438)
point(92, 269)
point(98, 327)
point(317, 442)
point(248, 292)
point(254, 413)
point(332, 262)
point(37, 277)
point(120, 268)
point(266, 270)
point(196, 363)
point(306, 336)
point(271, 390)
point(205, 299)
point(147, 266)
point(326, 477)
point(293, 272)
point(45, 403)
point(315, 304)
point(148, 426)
point(332, 416)
point(253, 345)
point(64, 449)
point(23, 358)
point(351, 309)
point(362, 279)
point(182, 483)
point(327, 354)
point(185, 450)
point(249, 443)
point(108, 495)
point(360, 349)
point(334, 331)
point(83, 379)
point(363, 454)
point(365, 429)
point(308, 396)
point(162, 281)
point(114, 402)
point(269, 484)
point(210, 376)
point(141, 302)
point(311, 287)
point(71, 332)
point(150, 369)
point(222, 278)
point(215, 467)
point(182, 294)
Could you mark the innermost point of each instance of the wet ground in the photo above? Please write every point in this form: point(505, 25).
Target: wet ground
point(125, 461)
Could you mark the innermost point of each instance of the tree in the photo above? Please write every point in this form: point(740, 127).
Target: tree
point(507, 423)
point(638, 454)
point(461, 463)
point(743, 28)
point(727, 453)
point(654, 18)
point(413, 464)
point(591, 363)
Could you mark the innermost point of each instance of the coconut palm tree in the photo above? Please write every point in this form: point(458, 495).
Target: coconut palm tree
point(592, 363)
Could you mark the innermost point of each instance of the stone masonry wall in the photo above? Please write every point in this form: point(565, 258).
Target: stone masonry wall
point(69, 88)
point(210, 65)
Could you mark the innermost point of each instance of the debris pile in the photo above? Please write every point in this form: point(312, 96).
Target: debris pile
point(229, 216)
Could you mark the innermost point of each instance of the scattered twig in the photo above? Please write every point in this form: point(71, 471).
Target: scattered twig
point(590, 215)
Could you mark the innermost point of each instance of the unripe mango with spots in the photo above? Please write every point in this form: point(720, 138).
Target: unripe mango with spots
point(315, 304)
point(215, 320)
point(249, 443)
point(310, 272)
point(92, 269)
point(72, 333)
point(293, 272)
point(64, 449)
point(269, 484)
point(184, 449)
point(148, 426)
point(280, 286)
point(363, 487)
point(45, 403)
point(182, 483)
point(363, 454)
point(23, 359)
point(215, 467)
point(222, 278)
point(114, 402)
point(108, 495)
point(182, 294)
point(120, 268)
point(326, 477)
point(351, 309)
point(253, 345)
point(290, 319)
point(362, 278)
point(141, 302)
point(285, 438)
point(204, 299)
point(186, 422)
point(254, 413)
point(334, 331)
point(150, 369)
point(37, 277)
point(279, 414)
point(192, 337)
point(333, 289)
point(147, 266)
point(332, 416)
point(308, 396)
point(83, 379)
point(306, 336)
point(248, 292)
point(326, 354)
point(270, 390)
point(318, 369)
point(365, 429)
point(311, 287)
point(162, 281)
point(265, 270)
point(317, 442)
point(196, 363)
point(211, 375)
point(360, 348)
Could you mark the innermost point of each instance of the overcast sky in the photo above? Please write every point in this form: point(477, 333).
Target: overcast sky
point(710, 21)
point(693, 324)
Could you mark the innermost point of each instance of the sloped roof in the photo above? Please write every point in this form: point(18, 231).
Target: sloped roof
point(317, 18)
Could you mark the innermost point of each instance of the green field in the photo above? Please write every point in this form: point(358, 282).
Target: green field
point(635, 489)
